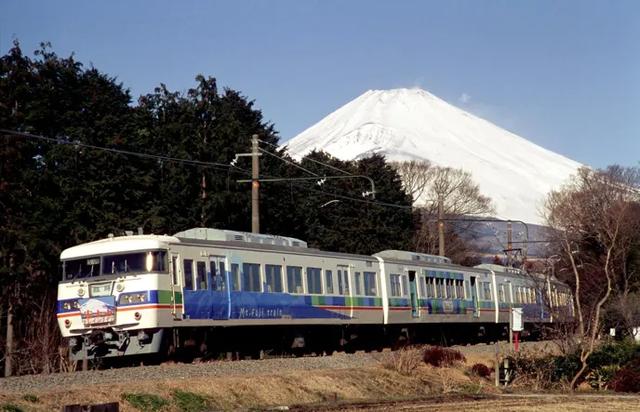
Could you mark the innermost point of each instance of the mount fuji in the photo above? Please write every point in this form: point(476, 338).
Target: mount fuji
point(413, 124)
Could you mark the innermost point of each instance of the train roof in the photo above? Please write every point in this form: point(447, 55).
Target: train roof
point(116, 244)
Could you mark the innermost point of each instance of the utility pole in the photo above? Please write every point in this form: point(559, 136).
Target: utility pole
point(440, 226)
point(8, 359)
point(509, 242)
point(255, 185)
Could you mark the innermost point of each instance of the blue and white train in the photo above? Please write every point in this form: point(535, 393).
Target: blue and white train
point(207, 291)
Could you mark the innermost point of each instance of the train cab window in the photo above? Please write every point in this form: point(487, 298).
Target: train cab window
point(188, 274)
point(294, 279)
point(370, 287)
point(396, 289)
point(343, 281)
point(235, 277)
point(358, 278)
point(201, 275)
point(518, 295)
point(273, 278)
point(501, 293)
point(251, 277)
point(328, 286)
point(314, 280)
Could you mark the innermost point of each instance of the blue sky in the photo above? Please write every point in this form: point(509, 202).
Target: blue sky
point(563, 74)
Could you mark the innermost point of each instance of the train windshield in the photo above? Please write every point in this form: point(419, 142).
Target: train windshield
point(81, 268)
point(138, 262)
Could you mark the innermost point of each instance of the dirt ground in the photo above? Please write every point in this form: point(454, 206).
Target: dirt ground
point(494, 403)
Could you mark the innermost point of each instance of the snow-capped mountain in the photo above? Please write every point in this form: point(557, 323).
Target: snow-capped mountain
point(413, 124)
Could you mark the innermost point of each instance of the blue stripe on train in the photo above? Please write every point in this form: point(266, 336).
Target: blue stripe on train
point(207, 304)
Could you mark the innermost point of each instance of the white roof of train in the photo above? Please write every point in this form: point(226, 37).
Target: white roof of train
point(118, 244)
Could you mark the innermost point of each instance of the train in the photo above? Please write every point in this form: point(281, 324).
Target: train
point(210, 292)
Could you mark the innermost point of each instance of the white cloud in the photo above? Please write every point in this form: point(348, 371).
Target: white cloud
point(464, 98)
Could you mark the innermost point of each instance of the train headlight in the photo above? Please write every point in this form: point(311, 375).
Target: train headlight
point(132, 298)
point(81, 292)
point(149, 262)
point(120, 287)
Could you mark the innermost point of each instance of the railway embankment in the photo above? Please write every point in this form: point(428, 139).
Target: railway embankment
point(376, 381)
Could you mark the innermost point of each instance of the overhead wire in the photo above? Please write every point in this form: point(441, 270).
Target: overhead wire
point(213, 165)
point(312, 160)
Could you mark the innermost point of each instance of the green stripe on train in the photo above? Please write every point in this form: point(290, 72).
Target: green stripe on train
point(164, 296)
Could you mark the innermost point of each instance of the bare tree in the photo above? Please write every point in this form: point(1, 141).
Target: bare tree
point(414, 175)
point(593, 218)
point(459, 197)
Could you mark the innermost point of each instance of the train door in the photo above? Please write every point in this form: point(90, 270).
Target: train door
point(474, 297)
point(344, 288)
point(413, 294)
point(221, 304)
point(176, 291)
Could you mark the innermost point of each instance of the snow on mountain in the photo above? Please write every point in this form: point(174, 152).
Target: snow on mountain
point(406, 124)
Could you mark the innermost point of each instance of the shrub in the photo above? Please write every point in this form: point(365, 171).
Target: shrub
point(626, 380)
point(145, 401)
point(29, 397)
point(403, 361)
point(190, 402)
point(441, 357)
point(481, 370)
point(615, 353)
point(9, 407)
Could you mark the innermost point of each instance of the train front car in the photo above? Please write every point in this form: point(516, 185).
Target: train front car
point(115, 295)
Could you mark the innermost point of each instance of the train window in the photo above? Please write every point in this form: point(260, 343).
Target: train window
point(314, 280)
point(405, 285)
point(201, 275)
point(518, 295)
point(423, 286)
point(235, 277)
point(218, 277)
point(440, 291)
point(370, 288)
point(294, 279)
point(343, 281)
point(485, 291)
point(328, 277)
point(81, 268)
point(155, 261)
point(448, 288)
point(501, 294)
point(459, 284)
point(251, 277)
point(394, 280)
point(174, 269)
point(430, 288)
point(188, 274)
point(273, 278)
point(359, 284)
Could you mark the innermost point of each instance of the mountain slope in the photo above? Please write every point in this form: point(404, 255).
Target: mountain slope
point(406, 124)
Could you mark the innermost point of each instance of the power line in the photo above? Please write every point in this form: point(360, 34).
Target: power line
point(288, 162)
point(213, 165)
point(313, 160)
